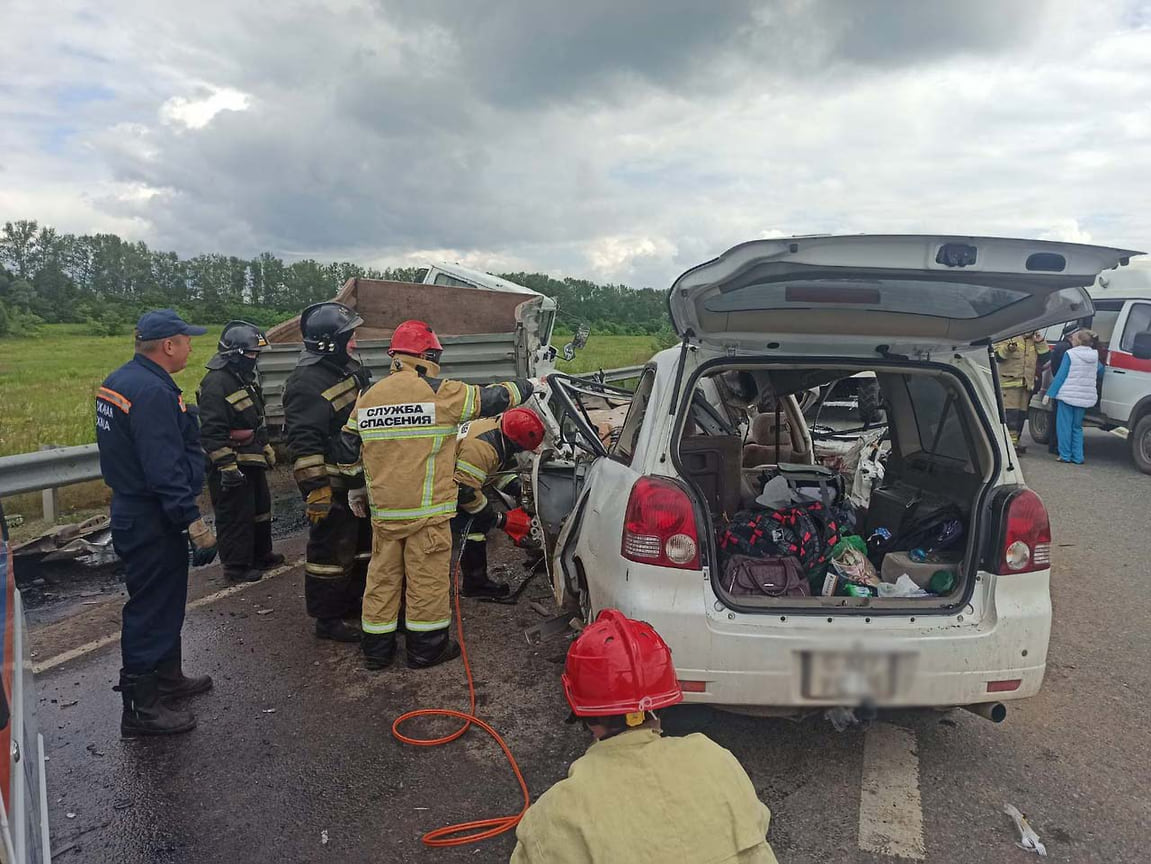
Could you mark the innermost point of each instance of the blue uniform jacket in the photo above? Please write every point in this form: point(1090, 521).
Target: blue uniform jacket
point(149, 442)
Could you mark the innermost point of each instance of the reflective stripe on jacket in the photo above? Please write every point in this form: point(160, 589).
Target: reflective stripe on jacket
point(149, 442)
point(404, 433)
point(230, 404)
point(484, 456)
point(318, 399)
point(645, 799)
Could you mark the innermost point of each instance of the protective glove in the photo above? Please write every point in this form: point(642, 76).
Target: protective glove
point(485, 520)
point(202, 542)
point(319, 504)
point(270, 455)
point(517, 524)
point(358, 502)
point(232, 478)
point(241, 436)
point(1046, 400)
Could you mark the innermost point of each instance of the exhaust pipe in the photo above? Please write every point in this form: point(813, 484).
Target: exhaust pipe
point(996, 712)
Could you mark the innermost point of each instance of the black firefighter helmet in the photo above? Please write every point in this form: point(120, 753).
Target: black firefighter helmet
point(327, 327)
point(238, 339)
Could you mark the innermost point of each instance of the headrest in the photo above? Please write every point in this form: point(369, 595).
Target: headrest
point(763, 429)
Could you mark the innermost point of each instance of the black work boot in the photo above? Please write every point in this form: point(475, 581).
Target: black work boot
point(270, 561)
point(485, 588)
point(243, 574)
point(474, 581)
point(337, 630)
point(379, 650)
point(426, 650)
point(174, 684)
point(145, 713)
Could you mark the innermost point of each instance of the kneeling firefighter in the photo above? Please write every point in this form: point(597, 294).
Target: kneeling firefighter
point(636, 796)
point(402, 439)
point(318, 399)
point(235, 440)
point(486, 459)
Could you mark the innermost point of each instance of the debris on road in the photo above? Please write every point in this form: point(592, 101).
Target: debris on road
point(324, 837)
point(1028, 839)
point(841, 718)
point(269, 711)
point(265, 611)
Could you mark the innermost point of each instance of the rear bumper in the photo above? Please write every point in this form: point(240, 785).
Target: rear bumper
point(761, 660)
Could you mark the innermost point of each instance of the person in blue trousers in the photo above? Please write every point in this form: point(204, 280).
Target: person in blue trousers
point(1074, 388)
point(150, 456)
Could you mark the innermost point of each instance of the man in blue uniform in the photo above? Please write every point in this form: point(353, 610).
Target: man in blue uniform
point(150, 456)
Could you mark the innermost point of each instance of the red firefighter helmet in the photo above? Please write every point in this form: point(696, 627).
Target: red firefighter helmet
point(619, 666)
point(416, 338)
point(523, 428)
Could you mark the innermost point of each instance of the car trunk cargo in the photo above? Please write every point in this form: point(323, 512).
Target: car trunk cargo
point(822, 514)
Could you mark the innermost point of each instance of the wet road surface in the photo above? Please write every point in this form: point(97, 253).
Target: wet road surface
point(294, 761)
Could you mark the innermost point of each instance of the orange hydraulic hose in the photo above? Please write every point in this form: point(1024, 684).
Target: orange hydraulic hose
point(480, 829)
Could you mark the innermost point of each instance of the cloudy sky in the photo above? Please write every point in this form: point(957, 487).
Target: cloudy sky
point(612, 139)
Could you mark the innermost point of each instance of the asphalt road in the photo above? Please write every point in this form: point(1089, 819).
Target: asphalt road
point(294, 761)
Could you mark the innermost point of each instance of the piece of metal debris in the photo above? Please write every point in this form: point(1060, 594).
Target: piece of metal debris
point(1028, 839)
point(547, 629)
point(841, 718)
point(265, 611)
point(269, 711)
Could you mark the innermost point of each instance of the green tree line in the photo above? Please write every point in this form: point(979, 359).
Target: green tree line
point(106, 282)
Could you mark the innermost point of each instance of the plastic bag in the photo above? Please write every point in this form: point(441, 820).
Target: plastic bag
point(849, 560)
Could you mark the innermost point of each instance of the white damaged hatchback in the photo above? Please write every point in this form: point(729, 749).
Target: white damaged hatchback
point(793, 560)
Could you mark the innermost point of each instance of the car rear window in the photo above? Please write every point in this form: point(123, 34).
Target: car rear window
point(937, 414)
point(907, 296)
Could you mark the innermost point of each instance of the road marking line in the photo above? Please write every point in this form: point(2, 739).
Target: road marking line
point(96, 644)
point(890, 809)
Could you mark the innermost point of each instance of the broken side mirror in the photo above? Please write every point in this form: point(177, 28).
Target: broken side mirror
point(577, 343)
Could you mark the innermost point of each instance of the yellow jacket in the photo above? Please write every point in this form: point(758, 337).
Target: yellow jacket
point(1017, 358)
point(403, 435)
point(485, 458)
point(643, 799)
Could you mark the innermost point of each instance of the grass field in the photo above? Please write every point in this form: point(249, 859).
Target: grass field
point(48, 386)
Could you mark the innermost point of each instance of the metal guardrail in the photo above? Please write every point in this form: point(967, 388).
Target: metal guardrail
point(47, 469)
point(63, 466)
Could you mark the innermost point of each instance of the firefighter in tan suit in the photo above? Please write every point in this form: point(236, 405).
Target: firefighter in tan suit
point(1018, 358)
point(403, 433)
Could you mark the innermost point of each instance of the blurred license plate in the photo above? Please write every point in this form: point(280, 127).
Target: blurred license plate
point(849, 675)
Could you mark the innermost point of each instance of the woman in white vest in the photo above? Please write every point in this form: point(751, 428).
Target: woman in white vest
point(1074, 388)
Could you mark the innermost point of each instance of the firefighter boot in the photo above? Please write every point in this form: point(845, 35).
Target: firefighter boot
point(337, 630)
point(145, 713)
point(426, 650)
point(270, 561)
point(474, 573)
point(379, 650)
point(248, 574)
point(174, 684)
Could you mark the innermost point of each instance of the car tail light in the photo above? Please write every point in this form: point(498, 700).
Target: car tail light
point(659, 526)
point(1026, 535)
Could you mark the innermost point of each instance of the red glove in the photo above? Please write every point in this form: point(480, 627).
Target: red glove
point(517, 524)
point(241, 436)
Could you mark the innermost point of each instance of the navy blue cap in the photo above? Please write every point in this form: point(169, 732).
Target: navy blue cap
point(164, 323)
